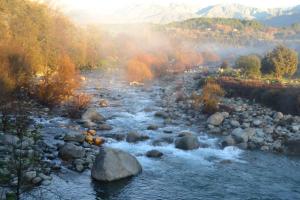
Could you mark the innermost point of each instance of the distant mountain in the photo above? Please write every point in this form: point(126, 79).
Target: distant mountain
point(273, 17)
point(239, 11)
point(166, 13)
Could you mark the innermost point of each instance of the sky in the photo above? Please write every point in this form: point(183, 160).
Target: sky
point(111, 5)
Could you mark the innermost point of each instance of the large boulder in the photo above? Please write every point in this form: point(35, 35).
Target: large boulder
point(216, 119)
point(187, 142)
point(74, 137)
point(114, 164)
point(134, 137)
point(91, 115)
point(292, 147)
point(70, 151)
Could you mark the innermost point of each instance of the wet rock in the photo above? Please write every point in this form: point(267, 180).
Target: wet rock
point(70, 151)
point(91, 115)
point(134, 137)
point(103, 103)
point(292, 147)
point(152, 127)
point(216, 119)
point(187, 142)
point(161, 114)
point(105, 127)
point(114, 164)
point(168, 131)
point(74, 137)
point(225, 162)
point(228, 141)
point(154, 154)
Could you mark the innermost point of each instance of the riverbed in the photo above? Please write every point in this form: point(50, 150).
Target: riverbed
point(209, 172)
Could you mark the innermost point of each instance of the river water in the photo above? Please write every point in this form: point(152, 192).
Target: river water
point(206, 173)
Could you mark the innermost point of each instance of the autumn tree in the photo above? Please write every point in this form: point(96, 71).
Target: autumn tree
point(280, 62)
point(249, 65)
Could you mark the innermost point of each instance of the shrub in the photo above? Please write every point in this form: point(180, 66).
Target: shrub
point(280, 62)
point(224, 65)
point(250, 65)
point(77, 105)
point(210, 97)
point(138, 71)
point(56, 87)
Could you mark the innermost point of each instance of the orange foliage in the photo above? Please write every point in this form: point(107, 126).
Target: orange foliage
point(56, 87)
point(138, 71)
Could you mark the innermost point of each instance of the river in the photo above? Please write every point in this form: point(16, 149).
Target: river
point(206, 173)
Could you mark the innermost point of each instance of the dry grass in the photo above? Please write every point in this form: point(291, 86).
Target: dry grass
point(210, 97)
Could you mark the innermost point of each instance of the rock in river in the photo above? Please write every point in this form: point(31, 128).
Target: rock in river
point(134, 137)
point(154, 154)
point(114, 164)
point(187, 142)
point(91, 115)
point(71, 151)
point(74, 137)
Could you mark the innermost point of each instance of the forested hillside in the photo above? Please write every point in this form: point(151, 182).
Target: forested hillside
point(37, 41)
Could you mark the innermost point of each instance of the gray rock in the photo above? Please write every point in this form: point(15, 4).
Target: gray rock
point(37, 180)
point(228, 141)
point(74, 137)
point(161, 114)
point(105, 127)
point(154, 154)
point(242, 135)
point(29, 176)
point(70, 151)
point(187, 142)
point(257, 122)
point(235, 123)
point(134, 137)
point(114, 164)
point(45, 177)
point(216, 119)
point(91, 115)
